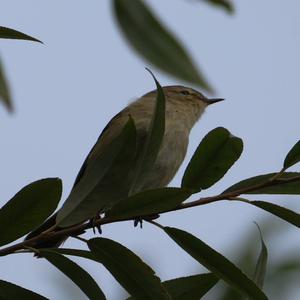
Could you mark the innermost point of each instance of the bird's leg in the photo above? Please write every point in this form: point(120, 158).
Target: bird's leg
point(93, 223)
point(139, 220)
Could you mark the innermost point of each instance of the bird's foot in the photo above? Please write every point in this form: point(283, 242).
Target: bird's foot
point(139, 220)
point(94, 225)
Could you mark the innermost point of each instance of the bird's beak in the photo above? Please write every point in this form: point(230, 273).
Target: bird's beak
point(214, 100)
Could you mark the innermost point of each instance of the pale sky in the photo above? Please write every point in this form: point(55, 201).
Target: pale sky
point(66, 90)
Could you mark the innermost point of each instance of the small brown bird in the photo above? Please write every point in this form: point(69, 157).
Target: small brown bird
point(184, 107)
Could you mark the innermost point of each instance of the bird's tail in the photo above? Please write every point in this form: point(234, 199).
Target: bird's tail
point(53, 243)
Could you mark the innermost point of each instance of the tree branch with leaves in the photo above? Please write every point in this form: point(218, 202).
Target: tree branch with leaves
point(213, 158)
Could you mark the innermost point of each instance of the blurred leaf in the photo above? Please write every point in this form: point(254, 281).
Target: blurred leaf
point(97, 189)
point(279, 211)
point(8, 33)
point(4, 90)
point(151, 40)
point(290, 265)
point(79, 276)
point(29, 208)
point(281, 188)
point(245, 254)
point(225, 4)
point(128, 269)
point(191, 288)
point(229, 294)
point(149, 202)
point(216, 263)
point(153, 141)
point(293, 156)
point(10, 291)
point(261, 265)
point(215, 155)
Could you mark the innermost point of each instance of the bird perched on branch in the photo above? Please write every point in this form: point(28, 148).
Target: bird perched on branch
point(183, 108)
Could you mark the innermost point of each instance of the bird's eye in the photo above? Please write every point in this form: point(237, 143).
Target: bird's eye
point(186, 93)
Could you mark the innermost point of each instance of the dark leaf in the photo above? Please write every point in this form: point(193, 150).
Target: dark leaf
point(8, 33)
point(10, 291)
point(98, 189)
point(152, 41)
point(216, 263)
point(154, 139)
point(279, 211)
point(261, 265)
point(128, 269)
point(4, 90)
point(29, 208)
point(293, 156)
point(75, 252)
point(215, 155)
point(225, 4)
point(281, 188)
point(79, 276)
point(149, 202)
point(191, 288)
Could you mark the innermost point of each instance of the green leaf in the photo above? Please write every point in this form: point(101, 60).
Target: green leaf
point(287, 267)
point(149, 202)
point(4, 90)
point(8, 33)
point(154, 139)
point(153, 42)
point(29, 208)
point(215, 155)
point(191, 287)
point(216, 263)
point(75, 252)
point(97, 189)
point(261, 265)
point(225, 4)
point(293, 156)
point(128, 269)
point(279, 211)
point(10, 291)
point(79, 276)
point(281, 188)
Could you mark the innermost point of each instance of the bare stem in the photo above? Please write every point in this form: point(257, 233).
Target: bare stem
point(80, 238)
point(155, 224)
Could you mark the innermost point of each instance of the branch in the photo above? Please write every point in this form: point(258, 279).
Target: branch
point(78, 229)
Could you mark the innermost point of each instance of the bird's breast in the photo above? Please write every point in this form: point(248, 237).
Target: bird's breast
point(168, 161)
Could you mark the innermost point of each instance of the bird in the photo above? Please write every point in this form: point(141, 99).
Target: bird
point(183, 108)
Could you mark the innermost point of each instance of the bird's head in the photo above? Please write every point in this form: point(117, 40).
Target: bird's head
point(189, 96)
point(188, 102)
point(184, 103)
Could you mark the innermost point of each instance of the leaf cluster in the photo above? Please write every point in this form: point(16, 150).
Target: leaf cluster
point(215, 155)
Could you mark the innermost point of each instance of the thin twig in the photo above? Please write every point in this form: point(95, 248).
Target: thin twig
point(79, 238)
point(155, 224)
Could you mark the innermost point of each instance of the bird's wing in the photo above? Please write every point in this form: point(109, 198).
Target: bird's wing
point(107, 129)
